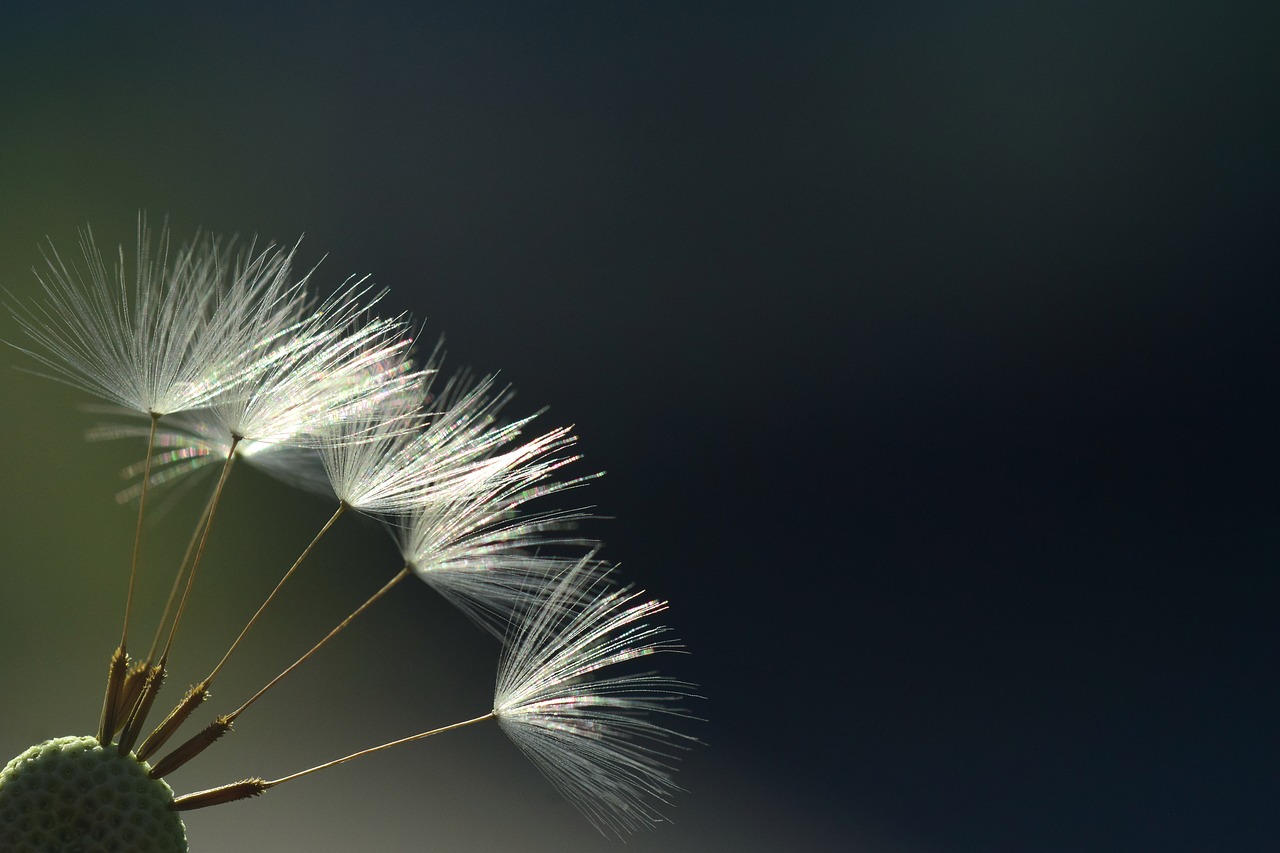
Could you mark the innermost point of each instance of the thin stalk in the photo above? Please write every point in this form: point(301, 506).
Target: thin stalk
point(196, 694)
point(342, 507)
point(137, 533)
point(177, 579)
point(371, 750)
point(156, 674)
point(204, 539)
point(135, 682)
point(253, 787)
point(119, 667)
point(207, 736)
point(387, 587)
point(200, 692)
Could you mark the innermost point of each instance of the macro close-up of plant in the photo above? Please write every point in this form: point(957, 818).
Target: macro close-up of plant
point(215, 355)
point(681, 428)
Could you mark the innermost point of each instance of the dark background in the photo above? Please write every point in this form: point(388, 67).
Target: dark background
point(929, 348)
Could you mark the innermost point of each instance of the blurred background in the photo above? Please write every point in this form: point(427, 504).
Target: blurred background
point(929, 348)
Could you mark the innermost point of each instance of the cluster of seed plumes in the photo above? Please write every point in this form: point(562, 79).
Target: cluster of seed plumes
point(213, 356)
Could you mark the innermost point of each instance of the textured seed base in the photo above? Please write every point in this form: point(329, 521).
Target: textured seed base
point(69, 795)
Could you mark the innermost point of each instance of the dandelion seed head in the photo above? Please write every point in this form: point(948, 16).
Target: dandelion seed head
point(227, 348)
point(75, 785)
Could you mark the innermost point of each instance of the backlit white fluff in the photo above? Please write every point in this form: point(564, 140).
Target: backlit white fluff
point(470, 535)
point(334, 363)
point(190, 442)
point(598, 736)
point(169, 334)
point(394, 460)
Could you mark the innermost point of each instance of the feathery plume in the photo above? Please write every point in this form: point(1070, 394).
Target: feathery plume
point(168, 337)
point(393, 459)
point(334, 362)
point(468, 535)
point(594, 736)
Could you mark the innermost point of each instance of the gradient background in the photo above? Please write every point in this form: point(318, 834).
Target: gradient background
point(930, 349)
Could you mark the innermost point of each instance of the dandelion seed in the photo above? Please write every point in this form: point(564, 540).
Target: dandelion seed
point(455, 491)
point(472, 542)
point(336, 364)
point(596, 738)
point(467, 538)
point(168, 338)
point(173, 339)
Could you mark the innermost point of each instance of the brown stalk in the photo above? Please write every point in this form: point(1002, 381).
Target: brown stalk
point(223, 794)
point(253, 787)
point(193, 747)
point(195, 696)
point(116, 673)
point(138, 716)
